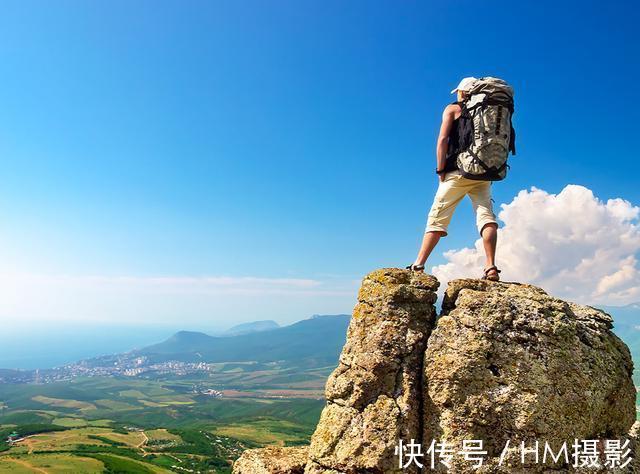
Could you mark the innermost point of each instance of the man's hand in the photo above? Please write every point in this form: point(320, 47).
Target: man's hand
point(441, 177)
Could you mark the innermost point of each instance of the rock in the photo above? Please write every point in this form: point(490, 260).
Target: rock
point(504, 362)
point(634, 435)
point(509, 362)
point(272, 460)
point(373, 396)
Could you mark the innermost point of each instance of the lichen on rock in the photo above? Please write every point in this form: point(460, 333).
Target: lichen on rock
point(504, 361)
point(509, 362)
point(272, 460)
point(374, 394)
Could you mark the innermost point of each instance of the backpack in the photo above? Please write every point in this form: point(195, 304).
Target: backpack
point(489, 135)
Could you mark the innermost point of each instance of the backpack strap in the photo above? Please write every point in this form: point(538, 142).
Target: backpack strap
point(512, 141)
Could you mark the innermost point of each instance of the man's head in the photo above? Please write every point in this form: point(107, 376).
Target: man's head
point(463, 88)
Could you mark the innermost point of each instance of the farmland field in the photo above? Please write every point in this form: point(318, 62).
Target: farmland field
point(50, 463)
point(109, 424)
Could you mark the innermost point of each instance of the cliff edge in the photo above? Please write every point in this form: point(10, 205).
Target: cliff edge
point(505, 363)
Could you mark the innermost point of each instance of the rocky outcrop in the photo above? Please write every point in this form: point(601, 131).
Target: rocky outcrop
point(506, 363)
point(373, 395)
point(509, 362)
point(272, 460)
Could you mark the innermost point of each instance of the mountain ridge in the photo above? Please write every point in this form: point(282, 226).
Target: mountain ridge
point(319, 337)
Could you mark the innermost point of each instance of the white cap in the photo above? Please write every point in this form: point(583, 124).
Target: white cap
point(465, 84)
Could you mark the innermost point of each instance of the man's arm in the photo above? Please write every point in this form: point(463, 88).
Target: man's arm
point(448, 116)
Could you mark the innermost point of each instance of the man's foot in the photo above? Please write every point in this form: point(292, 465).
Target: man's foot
point(491, 273)
point(415, 268)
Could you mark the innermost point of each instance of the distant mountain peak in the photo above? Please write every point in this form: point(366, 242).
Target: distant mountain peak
point(316, 316)
point(253, 326)
point(189, 336)
point(188, 333)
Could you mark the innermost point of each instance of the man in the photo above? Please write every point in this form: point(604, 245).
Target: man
point(453, 187)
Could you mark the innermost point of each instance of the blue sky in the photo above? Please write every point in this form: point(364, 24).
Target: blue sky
point(281, 142)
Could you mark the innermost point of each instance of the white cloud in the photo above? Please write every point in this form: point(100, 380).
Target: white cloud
point(572, 244)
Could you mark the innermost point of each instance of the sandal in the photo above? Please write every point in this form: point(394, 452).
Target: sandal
point(415, 268)
point(494, 273)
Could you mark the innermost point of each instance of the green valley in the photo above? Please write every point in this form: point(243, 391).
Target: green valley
point(101, 423)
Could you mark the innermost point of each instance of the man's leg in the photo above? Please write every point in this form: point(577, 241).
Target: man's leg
point(489, 240)
point(486, 220)
point(429, 242)
point(447, 197)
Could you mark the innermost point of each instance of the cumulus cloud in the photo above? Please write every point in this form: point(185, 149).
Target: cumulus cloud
point(572, 244)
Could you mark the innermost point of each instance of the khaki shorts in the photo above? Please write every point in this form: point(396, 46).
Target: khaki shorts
point(450, 193)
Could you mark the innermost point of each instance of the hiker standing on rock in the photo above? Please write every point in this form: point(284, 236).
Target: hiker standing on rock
point(475, 139)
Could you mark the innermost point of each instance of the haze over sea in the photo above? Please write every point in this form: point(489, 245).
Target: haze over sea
point(46, 346)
